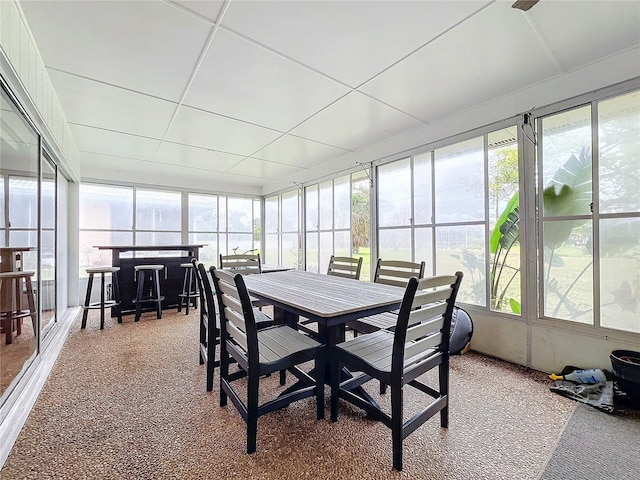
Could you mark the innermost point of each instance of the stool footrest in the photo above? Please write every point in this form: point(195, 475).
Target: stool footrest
point(107, 304)
point(142, 300)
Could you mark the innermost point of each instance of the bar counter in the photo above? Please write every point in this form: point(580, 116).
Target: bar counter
point(170, 277)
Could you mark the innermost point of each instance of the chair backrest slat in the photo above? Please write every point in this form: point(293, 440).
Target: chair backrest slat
point(243, 264)
point(346, 267)
point(424, 320)
point(397, 272)
point(238, 323)
point(431, 296)
point(423, 348)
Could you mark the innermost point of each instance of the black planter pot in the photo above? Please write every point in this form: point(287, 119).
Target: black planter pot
point(626, 371)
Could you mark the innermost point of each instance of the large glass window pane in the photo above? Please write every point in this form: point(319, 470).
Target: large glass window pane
point(311, 208)
point(459, 182)
point(619, 152)
point(158, 210)
point(504, 221)
point(92, 257)
point(271, 249)
point(395, 244)
point(290, 250)
point(19, 158)
point(203, 213)
point(240, 212)
point(463, 248)
point(312, 252)
point(290, 211)
point(209, 253)
point(48, 244)
point(568, 270)
point(271, 214)
point(157, 238)
point(422, 197)
point(326, 205)
point(361, 220)
point(394, 194)
point(620, 274)
point(326, 250)
point(342, 203)
point(341, 244)
point(423, 238)
point(106, 207)
point(23, 202)
point(567, 267)
point(566, 163)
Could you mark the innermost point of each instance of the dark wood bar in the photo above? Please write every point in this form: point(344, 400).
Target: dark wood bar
point(170, 277)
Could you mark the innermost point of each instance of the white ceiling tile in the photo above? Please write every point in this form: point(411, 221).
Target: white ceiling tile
point(253, 167)
point(203, 129)
point(116, 169)
point(493, 53)
point(355, 121)
point(580, 33)
point(96, 104)
point(194, 157)
point(244, 81)
point(350, 41)
point(151, 47)
point(209, 9)
point(298, 151)
point(95, 140)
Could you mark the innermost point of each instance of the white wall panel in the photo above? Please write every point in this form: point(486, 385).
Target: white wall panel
point(26, 75)
point(499, 336)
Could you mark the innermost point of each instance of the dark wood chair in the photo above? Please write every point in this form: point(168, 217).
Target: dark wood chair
point(419, 343)
point(244, 264)
point(209, 323)
point(389, 272)
point(347, 267)
point(261, 352)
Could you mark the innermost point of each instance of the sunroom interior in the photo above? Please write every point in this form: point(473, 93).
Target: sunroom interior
point(469, 135)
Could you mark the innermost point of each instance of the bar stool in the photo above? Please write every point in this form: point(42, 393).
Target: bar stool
point(189, 288)
point(103, 303)
point(11, 302)
point(153, 296)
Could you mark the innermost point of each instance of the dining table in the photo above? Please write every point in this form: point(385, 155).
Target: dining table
point(330, 301)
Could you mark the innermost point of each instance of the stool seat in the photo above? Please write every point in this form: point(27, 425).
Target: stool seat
point(11, 302)
point(152, 293)
point(102, 269)
point(103, 303)
point(189, 294)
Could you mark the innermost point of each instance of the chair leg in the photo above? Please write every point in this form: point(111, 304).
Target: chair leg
point(396, 425)
point(115, 292)
point(87, 300)
point(211, 357)
point(102, 301)
point(444, 390)
point(156, 287)
point(139, 295)
point(335, 387)
point(320, 373)
point(383, 388)
point(224, 371)
point(252, 411)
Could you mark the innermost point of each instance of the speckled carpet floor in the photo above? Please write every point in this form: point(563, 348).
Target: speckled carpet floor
point(129, 402)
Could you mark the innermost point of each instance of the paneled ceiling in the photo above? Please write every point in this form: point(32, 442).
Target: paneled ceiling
point(247, 93)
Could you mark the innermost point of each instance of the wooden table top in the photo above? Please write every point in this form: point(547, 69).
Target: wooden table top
point(324, 296)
